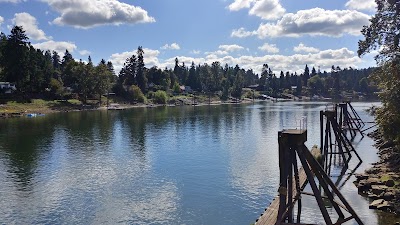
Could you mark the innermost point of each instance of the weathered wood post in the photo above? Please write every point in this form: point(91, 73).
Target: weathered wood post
point(342, 145)
point(350, 120)
point(289, 140)
point(291, 146)
point(293, 179)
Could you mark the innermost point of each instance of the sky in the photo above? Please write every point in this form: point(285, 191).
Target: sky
point(285, 34)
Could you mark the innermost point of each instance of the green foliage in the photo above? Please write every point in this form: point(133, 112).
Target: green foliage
point(176, 88)
point(160, 97)
point(388, 116)
point(33, 71)
point(249, 94)
point(315, 84)
point(383, 33)
point(150, 95)
point(238, 85)
point(136, 94)
point(102, 80)
point(225, 89)
point(56, 87)
point(141, 79)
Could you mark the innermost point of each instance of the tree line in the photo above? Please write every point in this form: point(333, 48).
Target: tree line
point(46, 74)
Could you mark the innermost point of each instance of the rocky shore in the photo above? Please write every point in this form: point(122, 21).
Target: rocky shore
point(381, 183)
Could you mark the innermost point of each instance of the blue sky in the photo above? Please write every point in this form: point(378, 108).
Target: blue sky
point(285, 34)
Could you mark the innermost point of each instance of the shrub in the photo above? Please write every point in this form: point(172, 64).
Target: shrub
point(176, 88)
point(150, 95)
point(136, 94)
point(56, 87)
point(160, 97)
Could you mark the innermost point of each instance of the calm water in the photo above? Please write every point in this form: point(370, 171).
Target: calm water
point(176, 165)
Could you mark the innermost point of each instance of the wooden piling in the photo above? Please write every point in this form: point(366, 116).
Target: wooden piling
point(293, 180)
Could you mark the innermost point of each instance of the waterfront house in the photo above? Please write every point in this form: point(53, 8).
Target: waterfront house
point(7, 87)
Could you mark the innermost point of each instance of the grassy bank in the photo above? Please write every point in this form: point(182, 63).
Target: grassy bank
point(40, 106)
point(51, 106)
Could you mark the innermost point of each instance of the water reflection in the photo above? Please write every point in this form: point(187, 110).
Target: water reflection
point(167, 165)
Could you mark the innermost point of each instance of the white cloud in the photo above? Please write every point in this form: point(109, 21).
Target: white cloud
point(294, 63)
point(89, 13)
point(361, 4)
point(1, 20)
point(240, 4)
point(150, 58)
point(323, 59)
point(30, 25)
point(218, 52)
point(242, 33)
point(230, 48)
point(267, 9)
point(303, 48)
point(58, 46)
point(316, 21)
point(224, 50)
point(196, 52)
point(173, 46)
point(270, 48)
point(84, 52)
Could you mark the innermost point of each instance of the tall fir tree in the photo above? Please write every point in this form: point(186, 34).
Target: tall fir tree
point(140, 70)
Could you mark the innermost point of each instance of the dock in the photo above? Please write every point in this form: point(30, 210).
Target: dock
point(271, 213)
point(293, 179)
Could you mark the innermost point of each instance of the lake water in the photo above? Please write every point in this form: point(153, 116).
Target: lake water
point(165, 165)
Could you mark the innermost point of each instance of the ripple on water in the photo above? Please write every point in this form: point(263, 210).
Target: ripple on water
point(178, 165)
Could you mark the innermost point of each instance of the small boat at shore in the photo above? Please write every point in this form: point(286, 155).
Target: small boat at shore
point(34, 114)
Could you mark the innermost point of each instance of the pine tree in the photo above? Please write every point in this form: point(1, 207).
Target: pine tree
point(140, 70)
point(17, 55)
point(306, 74)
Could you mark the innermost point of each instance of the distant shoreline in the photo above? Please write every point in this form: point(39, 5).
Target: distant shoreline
point(24, 109)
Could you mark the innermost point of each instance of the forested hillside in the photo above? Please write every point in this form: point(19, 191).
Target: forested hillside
point(45, 74)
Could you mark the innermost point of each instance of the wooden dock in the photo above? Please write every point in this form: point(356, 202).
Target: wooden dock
point(270, 216)
point(292, 182)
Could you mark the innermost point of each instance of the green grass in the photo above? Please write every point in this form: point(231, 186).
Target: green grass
point(40, 106)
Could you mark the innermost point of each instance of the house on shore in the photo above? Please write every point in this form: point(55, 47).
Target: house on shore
point(7, 87)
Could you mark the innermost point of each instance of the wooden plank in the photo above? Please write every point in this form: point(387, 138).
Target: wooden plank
point(271, 214)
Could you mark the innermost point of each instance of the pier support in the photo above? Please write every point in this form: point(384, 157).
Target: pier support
point(291, 147)
point(335, 146)
point(349, 120)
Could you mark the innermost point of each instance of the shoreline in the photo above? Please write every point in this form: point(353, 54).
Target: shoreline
point(62, 106)
point(26, 109)
point(381, 182)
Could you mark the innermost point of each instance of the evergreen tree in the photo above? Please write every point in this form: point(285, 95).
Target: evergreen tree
point(216, 76)
point(306, 74)
point(102, 79)
point(140, 70)
point(193, 80)
point(66, 59)
point(313, 72)
point(103, 61)
point(17, 59)
point(263, 78)
point(110, 67)
point(177, 71)
point(238, 85)
point(56, 61)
